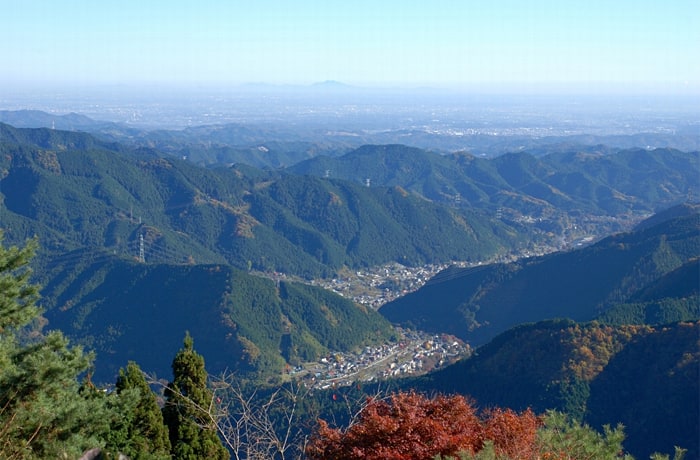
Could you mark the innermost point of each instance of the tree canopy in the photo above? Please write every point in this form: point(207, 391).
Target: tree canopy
point(42, 412)
point(193, 434)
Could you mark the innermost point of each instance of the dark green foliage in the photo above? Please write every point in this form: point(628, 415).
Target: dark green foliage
point(303, 322)
point(478, 303)
point(145, 435)
point(671, 298)
point(42, 413)
point(602, 183)
point(193, 433)
point(18, 297)
point(564, 437)
point(678, 284)
point(547, 365)
point(336, 223)
point(336, 323)
point(78, 194)
point(125, 310)
point(664, 311)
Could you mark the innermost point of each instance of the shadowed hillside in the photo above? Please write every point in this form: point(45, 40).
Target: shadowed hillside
point(249, 325)
point(478, 303)
point(642, 377)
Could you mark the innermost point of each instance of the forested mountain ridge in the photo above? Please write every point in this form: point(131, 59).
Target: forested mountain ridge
point(643, 377)
point(52, 139)
point(599, 183)
point(107, 195)
point(91, 202)
point(127, 234)
point(76, 192)
point(478, 303)
point(125, 310)
point(284, 141)
point(65, 122)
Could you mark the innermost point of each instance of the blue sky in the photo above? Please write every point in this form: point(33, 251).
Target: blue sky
point(627, 43)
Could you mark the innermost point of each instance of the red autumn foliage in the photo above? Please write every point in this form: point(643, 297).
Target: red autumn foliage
point(410, 426)
point(514, 435)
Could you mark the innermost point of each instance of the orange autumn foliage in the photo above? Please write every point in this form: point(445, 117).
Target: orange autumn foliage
point(409, 426)
point(514, 435)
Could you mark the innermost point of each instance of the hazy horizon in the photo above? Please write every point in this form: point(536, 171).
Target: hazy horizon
point(630, 47)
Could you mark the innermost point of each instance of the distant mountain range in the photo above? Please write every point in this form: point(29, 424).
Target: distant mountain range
point(475, 208)
point(66, 122)
point(75, 191)
point(594, 180)
point(276, 143)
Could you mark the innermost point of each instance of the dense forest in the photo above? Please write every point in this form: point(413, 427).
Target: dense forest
point(422, 207)
point(647, 272)
point(132, 248)
point(637, 375)
point(242, 216)
point(242, 323)
point(50, 411)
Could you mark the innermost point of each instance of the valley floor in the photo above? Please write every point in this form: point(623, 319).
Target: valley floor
point(415, 353)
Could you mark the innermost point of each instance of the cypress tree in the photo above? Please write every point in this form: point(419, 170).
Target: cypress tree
point(193, 434)
point(145, 435)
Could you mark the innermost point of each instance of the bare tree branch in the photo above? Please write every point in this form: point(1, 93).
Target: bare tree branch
point(252, 427)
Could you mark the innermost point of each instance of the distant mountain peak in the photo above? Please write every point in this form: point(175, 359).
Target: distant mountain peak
point(332, 85)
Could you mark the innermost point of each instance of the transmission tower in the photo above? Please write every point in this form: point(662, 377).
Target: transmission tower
point(142, 252)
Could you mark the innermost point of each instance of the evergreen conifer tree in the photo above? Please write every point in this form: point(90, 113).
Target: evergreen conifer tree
point(193, 434)
point(144, 434)
point(17, 296)
point(42, 413)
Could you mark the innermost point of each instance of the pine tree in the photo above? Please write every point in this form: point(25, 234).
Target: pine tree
point(17, 296)
point(192, 431)
point(42, 414)
point(143, 434)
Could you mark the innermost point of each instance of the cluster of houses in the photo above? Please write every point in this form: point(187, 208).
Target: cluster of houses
point(376, 286)
point(416, 353)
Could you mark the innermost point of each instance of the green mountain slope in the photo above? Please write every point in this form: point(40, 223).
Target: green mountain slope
point(651, 386)
point(673, 297)
point(478, 303)
point(598, 183)
point(245, 324)
point(75, 192)
point(344, 223)
point(642, 377)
